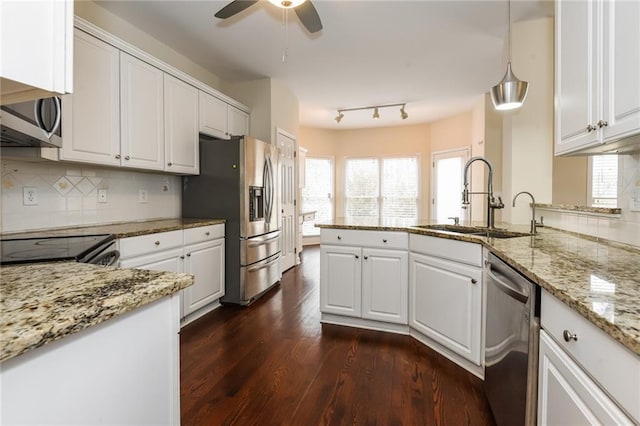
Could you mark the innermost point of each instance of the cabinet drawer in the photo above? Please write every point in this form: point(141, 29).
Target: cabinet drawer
point(349, 237)
point(203, 233)
point(613, 366)
point(458, 251)
point(152, 243)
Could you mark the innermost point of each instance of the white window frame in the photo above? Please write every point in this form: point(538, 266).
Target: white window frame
point(332, 185)
point(590, 183)
point(380, 198)
point(448, 153)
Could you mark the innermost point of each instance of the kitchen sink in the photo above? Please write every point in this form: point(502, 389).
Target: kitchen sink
point(476, 231)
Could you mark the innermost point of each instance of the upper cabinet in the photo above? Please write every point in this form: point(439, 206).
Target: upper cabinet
point(181, 126)
point(221, 120)
point(36, 49)
point(597, 75)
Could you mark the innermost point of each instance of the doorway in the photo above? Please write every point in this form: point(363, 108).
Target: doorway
point(286, 143)
point(447, 181)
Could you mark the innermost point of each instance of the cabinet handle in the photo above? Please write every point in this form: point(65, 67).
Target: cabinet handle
point(181, 257)
point(188, 254)
point(602, 124)
point(591, 128)
point(357, 257)
point(117, 156)
point(169, 164)
point(127, 158)
point(474, 281)
point(157, 243)
point(384, 240)
point(339, 237)
point(207, 233)
point(569, 336)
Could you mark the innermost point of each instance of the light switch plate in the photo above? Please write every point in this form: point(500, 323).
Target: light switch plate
point(634, 203)
point(102, 195)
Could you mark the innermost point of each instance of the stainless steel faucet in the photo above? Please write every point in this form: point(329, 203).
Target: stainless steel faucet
point(534, 224)
point(492, 204)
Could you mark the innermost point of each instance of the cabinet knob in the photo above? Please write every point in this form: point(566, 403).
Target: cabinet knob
point(357, 257)
point(591, 128)
point(181, 257)
point(366, 257)
point(569, 336)
point(602, 124)
point(384, 240)
point(169, 164)
point(474, 281)
point(157, 243)
point(127, 158)
point(188, 254)
point(207, 233)
point(339, 237)
point(117, 156)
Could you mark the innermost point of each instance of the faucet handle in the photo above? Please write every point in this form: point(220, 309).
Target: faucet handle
point(456, 220)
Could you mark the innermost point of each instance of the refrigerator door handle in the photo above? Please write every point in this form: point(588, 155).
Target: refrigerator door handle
point(267, 195)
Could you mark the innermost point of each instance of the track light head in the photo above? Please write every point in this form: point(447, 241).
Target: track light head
point(376, 114)
point(403, 113)
point(339, 117)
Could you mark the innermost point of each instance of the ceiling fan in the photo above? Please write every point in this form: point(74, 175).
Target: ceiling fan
point(304, 9)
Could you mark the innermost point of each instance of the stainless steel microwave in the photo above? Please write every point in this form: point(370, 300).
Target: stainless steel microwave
point(33, 123)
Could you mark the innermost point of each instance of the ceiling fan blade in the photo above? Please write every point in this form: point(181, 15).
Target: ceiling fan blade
point(236, 6)
point(309, 17)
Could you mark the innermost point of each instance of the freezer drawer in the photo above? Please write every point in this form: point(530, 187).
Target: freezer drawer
point(256, 278)
point(258, 248)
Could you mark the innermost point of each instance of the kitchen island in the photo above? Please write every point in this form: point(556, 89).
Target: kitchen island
point(88, 344)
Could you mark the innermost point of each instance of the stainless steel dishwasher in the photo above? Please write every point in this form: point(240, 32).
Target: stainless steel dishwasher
point(511, 349)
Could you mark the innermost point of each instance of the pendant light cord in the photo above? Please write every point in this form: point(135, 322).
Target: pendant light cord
point(285, 24)
point(509, 29)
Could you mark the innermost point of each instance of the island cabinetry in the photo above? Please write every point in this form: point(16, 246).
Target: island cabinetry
point(585, 377)
point(445, 296)
point(364, 274)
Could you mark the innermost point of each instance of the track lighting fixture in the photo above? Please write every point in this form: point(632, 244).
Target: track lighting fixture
point(376, 111)
point(511, 92)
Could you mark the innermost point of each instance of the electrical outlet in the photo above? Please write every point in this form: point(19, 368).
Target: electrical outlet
point(102, 195)
point(29, 196)
point(634, 204)
point(165, 186)
point(143, 196)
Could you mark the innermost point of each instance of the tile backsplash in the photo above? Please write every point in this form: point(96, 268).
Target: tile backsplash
point(624, 229)
point(67, 195)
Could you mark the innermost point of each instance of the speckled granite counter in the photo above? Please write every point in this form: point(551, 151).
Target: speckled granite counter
point(598, 280)
point(43, 302)
point(123, 229)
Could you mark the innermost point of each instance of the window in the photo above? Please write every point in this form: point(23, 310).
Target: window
point(381, 187)
point(317, 194)
point(603, 185)
point(447, 178)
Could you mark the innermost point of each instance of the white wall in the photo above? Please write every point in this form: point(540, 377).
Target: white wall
point(67, 195)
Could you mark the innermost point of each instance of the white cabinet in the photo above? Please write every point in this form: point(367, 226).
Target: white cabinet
point(445, 294)
point(36, 49)
point(141, 114)
point(221, 120)
point(206, 262)
point(597, 69)
point(363, 274)
point(567, 395)
point(91, 116)
point(181, 126)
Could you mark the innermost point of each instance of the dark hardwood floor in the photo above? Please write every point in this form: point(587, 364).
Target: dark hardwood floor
point(273, 363)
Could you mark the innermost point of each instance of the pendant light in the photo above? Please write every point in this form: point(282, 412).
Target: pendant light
point(511, 92)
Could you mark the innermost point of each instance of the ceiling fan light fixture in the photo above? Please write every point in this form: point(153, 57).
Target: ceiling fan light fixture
point(403, 113)
point(287, 4)
point(339, 117)
point(376, 114)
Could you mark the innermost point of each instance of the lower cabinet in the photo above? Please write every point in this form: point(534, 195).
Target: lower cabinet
point(566, 395)
point(446, 304)
point(197, 251)
point(340, 280)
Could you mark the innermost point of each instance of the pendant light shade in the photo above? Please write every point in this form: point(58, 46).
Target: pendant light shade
point(510, 93)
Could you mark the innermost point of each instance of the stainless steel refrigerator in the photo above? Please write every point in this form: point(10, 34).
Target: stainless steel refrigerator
point(238, 183)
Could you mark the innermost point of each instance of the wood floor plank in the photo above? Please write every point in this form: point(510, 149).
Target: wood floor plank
point(274, 363)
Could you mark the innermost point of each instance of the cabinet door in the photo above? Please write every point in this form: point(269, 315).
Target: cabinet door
point(385, 285)
point(621, 68)
point(141, 114)
point(238, 122)
point(566, 395)
point(446, 304)
point(181, 126)
point(36, 49)
point(340, 280)
point(206, 262)
point(91, 116)
point(577, 97)
point(213, 116)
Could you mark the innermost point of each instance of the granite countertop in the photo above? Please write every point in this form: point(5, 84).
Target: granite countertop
point(599, 280)
point(121, 229)
point(43, 302)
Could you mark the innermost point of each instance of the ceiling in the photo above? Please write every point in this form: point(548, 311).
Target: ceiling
point(437, 56)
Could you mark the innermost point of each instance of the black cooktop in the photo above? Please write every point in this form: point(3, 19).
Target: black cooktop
point(80, 248)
